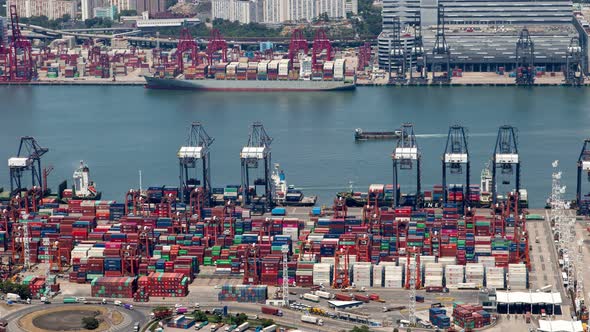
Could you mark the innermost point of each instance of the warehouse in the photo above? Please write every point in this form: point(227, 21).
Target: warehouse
point(560, 325)
point(344, 304)
point(522, 302)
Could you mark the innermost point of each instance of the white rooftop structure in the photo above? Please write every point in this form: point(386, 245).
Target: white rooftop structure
point(560, 326)
point(530, 298)
point(168, 22)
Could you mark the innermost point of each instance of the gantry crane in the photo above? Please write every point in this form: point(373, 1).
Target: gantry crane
point(28, 158)
point(298, 43)
point(456, 155)
point(321, 44)
point(525, 59)
point(340, 209)
point(505, 158)
point(186, 43)
point(216, 43)
point(257, 150)
point(583, 166)
point(22, 66)
point(406, 156)
point(195, 150)
point(397, 55)
point(341, 278)
point(418, 75)
point(441, 53)
point(574, 68)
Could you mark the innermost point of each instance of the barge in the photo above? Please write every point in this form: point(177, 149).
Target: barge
point(360, 135)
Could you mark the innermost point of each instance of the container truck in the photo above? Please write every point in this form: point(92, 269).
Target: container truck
point(70, 300)
point(310, 297)
point(342, 297)
point(312, 320)
point(324, 295)
point(362, 298)
point(272, 311)
point(12, 297)
point(394, 308)
point(243, 327)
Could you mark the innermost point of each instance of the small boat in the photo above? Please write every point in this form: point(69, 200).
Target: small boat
point(360, 135)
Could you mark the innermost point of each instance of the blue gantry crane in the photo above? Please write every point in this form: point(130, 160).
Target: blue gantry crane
point(195, 150)
point(455, 159)
point(406, 156)
point(27, 159)
point(257, 151)
point(507, 159)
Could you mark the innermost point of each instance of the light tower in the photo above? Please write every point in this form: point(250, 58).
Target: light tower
point(412, 303)
point(285, 251)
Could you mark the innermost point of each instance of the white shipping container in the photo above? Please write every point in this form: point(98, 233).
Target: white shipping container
point(377, 276)
point(447, 261)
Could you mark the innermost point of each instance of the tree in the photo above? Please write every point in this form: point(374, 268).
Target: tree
point(266, 322)
point(362, 328)
point(200, 316)
point(90, 323)
point(396, 330)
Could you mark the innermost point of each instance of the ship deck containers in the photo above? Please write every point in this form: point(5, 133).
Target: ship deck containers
point(262, 71)
point(328, 70)
point(252, 71)
point(339, 66)
point(220, 70)
point(231, 71)
point(201, 71)
point(242, 71)
point(273, 70)
point(283, 71)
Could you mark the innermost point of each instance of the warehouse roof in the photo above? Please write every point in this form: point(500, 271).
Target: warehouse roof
point(560, 326)
point(531, 298)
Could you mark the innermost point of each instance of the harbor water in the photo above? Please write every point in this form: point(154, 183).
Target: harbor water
point(120, 130)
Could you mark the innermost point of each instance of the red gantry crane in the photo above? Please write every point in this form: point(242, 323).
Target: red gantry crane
point(298, 43)
point(186, 43)
point(22, 67)
point(216, 43)
point(321, 43)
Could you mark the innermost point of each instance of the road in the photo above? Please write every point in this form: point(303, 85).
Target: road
point(130, 317)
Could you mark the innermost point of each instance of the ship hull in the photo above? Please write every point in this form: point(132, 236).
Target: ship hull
point(247, 85)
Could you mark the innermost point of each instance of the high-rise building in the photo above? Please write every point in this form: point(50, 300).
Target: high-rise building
point(275, 11)
point(87, 7)
point(352, 6)
point(243, 11)
point(53, 9)
point(302, 10)
point(334, 8)
point(105, 12)
point(150, 6)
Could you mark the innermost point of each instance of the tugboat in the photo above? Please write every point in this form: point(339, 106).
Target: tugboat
point(84, 188)
point(285, 195)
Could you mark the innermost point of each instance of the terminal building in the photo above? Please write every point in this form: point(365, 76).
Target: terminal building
point(481, 34)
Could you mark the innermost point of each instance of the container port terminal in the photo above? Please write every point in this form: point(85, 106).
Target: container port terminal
point(459, 256)
point(440, 52)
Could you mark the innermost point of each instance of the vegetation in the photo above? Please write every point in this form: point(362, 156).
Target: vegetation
point(98, 22)
point(170, 3)
point(90, 323)
point(236, 320)
point(45, 22)
point(369, 22)
point(11, 287)
point(214, 319)
point(200, 316)
point(362, 328)
point(235, 29)
point(396, 330)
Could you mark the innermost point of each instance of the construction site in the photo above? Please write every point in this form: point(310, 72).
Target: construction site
point(461, 256)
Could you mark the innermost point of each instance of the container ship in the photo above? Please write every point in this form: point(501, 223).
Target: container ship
point(265, 75)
